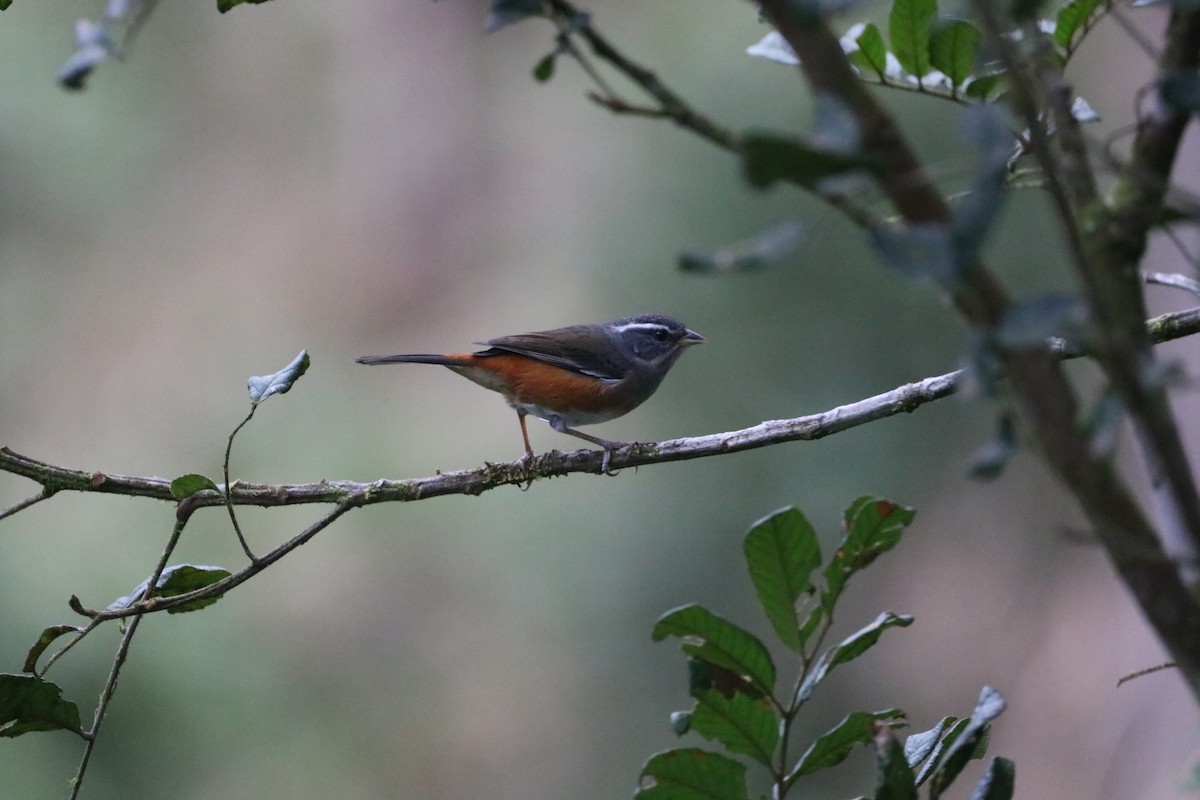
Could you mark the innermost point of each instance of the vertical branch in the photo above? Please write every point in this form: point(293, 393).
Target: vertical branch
point(1046, 399)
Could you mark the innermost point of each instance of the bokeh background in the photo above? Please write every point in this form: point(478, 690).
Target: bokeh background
point(366, 176)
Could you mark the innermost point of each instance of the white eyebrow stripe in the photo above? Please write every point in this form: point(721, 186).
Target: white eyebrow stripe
point(642, 326)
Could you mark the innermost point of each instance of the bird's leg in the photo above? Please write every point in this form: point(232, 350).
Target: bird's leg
point(525, 436)
point(609, 446)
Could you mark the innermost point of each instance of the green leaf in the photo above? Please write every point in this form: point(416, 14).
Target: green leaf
point(706, 676)
point(28, 704)
point(893, 778)
point(970, 743)
point(981, 87)
point(873, 526)
point(1071, 18)
point(954, 48)
point(225, 5)
point(712, 638)
point(744, 725)
point(849, 649)
point(263, 386)
point(782, 550)
point(998, 783)
point(45, 640)
point(832, 748)
point(507, 12)
point(544, 69)
point(909, 28)
point(768, 159)
point(4, 4)
point(176, 580)
point(692, 774)
point(187, 485)
point(873, 50)
point(865, 638)
point(942, 746)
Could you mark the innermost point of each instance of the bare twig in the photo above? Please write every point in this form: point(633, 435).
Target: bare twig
point(228, 502)
point(45, 494)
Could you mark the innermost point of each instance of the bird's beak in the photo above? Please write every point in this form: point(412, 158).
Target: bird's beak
point(691, 338)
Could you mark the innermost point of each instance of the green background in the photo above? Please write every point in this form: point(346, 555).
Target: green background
point(367, 177)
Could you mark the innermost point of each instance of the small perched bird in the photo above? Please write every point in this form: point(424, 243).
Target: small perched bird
point(578, 375)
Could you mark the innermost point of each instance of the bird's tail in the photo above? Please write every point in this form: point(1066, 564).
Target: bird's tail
point(415, 358)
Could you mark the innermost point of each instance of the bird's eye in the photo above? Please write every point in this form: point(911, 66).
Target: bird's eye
point(661, 335)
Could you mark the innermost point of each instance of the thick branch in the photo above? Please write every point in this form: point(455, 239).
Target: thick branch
point(1046, 399)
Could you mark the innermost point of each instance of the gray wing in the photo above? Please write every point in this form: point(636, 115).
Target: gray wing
point(577, 348)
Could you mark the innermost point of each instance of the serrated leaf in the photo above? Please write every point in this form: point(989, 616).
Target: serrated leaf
point(4, 4)
point(849, 649)
point(781, 551)
point(176, 580)
point(744, 725)
point(832, 747)
point(508, 12)
point(967, 745)
point(187, 485)
point(998, 783)
point(873, 526)
point(893, 778)
point(711, 638)
point(753, 253)
point(544, 69)
point(909, 27)
point(1071, 18)
point(954, 48)
point(692, 774)
point(45, 640)
point(768, 159)
point(918, 746)
point(263, 386)
point(225, 5)
point(29, 704)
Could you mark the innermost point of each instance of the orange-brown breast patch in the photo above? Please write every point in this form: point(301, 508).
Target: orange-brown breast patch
point(527, 381)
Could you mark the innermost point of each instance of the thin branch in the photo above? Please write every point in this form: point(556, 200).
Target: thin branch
point(110, 687)
point(902, 399)
point(228, 502)
point(45, 494)
point(670, 104)
point(1174, 280)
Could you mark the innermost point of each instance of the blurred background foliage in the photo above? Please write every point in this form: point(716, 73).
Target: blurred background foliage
point(364, 177)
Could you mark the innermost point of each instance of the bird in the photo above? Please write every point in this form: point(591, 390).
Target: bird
point(577, 375)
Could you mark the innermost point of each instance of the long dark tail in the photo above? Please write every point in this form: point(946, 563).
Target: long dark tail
point(413, 358)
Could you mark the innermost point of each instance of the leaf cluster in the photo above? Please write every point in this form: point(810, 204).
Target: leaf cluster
point(734, 682)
